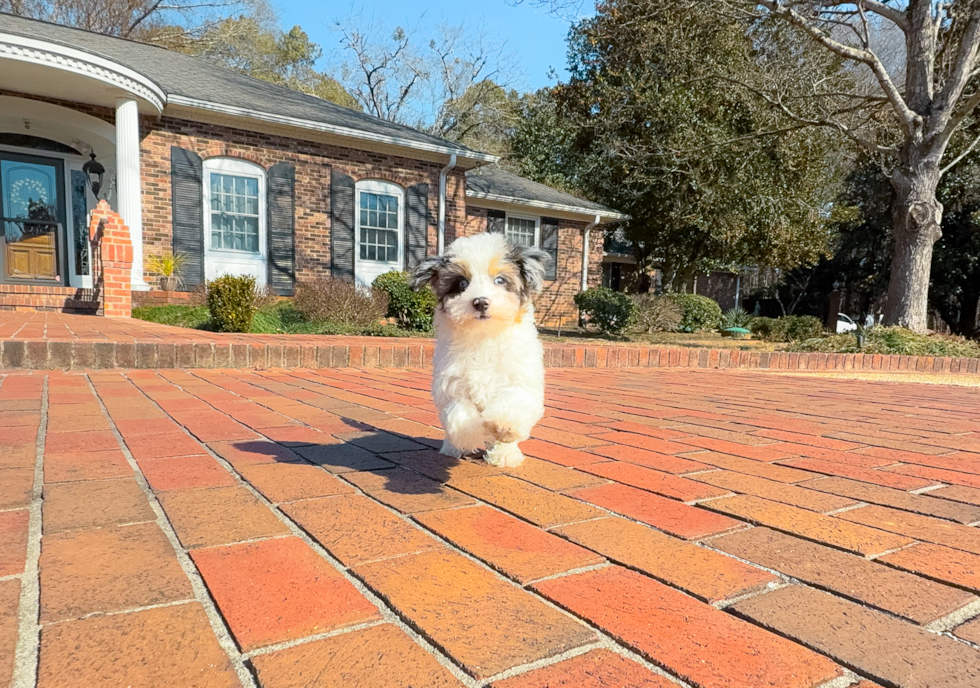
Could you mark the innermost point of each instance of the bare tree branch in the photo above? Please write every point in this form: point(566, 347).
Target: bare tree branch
point(969, 149)
point(907, 117)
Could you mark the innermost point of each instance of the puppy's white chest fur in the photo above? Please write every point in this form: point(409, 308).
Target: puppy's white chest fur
point(483, 369)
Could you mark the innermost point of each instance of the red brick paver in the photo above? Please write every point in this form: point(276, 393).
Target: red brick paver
point(277, 528)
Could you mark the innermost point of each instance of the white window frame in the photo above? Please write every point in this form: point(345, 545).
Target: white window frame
point(388, 189)
point(238, 168)
point(537, 225)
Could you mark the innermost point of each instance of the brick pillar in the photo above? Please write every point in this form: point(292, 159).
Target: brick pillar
point(113, 250)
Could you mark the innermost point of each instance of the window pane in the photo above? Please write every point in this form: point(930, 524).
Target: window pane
point(520, 231)
point(235, 212)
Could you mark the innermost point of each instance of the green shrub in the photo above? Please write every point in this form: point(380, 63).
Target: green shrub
point(789, 328)
point(735, 317)
point(700, 312)
point(802, 327)
point(765, 328)
point(609, 311)
point(893, 340)
point(231, 303)
point(656, 313)
point(340, 302)
point(412, 309)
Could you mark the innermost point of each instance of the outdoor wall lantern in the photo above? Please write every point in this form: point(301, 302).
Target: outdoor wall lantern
point(95, 173)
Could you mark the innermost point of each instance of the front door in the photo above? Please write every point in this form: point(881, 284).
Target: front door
point(32, 208)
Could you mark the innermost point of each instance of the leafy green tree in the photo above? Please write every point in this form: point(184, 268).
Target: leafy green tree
point(287, 58)
point(647, 128)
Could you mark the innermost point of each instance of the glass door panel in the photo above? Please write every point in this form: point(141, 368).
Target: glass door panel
point(32, 205)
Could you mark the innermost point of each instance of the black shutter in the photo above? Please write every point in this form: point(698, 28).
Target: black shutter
point(416, 224)
point(281, 208)
point(187, 195)
point(341, 226)
point(549, 244)
point(496, 220)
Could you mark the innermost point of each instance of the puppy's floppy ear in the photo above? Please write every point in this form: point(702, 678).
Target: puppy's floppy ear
point(531, 262)
point(427, 271)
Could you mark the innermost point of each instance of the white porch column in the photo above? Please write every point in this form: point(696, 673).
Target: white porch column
point(128, 184)
point(585, 251)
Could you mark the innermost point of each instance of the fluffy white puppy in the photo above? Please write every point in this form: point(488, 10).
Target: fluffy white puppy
point(488, 378)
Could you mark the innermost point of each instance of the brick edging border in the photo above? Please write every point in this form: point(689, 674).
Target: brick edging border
point(66, 355)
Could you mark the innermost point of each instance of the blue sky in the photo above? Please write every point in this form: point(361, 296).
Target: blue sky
point(536, 38)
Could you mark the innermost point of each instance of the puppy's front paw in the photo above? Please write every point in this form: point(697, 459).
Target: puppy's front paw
point(502, 431)
point(506, 455)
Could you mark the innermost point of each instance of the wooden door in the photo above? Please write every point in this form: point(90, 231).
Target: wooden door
point(33, 210)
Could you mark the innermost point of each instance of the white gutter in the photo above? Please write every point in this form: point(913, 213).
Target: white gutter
point(441, 233)
point(585, 251)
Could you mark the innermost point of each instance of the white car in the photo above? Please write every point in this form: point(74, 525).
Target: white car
point(845, 324)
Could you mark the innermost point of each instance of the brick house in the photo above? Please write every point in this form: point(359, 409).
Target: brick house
point(239, 176)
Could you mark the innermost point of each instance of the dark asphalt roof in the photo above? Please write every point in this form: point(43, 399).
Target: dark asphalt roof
point(494, 183)
point(191, 77)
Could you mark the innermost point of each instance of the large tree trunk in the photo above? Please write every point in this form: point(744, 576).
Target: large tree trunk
point(916, 215)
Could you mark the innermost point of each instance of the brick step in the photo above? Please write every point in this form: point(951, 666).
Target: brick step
point(277, 351)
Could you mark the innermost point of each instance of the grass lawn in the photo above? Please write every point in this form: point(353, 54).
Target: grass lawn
point(280, 318)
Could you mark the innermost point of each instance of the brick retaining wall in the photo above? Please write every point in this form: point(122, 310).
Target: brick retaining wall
point(244, 351)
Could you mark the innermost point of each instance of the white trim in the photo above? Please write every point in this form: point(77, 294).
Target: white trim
point(388, 189)
point(335, 129)
point(537, 225)
point(585, 252)
point(85, 64)
point(229, 259)
point(73, 164)
point(608, 215)
point(441, 227)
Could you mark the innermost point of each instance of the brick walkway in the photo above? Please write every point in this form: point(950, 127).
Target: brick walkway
point(717, 529)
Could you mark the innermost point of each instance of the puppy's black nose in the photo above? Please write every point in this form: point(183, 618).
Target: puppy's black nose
point(481, 304)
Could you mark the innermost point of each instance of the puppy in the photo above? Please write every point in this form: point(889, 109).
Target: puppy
point(488, 378)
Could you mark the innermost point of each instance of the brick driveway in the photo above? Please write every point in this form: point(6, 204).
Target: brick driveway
point(296, 528)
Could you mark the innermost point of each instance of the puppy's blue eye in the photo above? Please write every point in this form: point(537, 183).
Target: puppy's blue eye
point(500, 280)
point(463, 284)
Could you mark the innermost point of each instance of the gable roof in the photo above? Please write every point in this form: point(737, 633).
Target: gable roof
point(195, 83)
point(495, 184)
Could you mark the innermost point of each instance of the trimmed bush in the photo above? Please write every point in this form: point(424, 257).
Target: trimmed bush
point(700, 312)
point(765, 328)
point(340, 302)
point(657, 313)
point(609, 311)
point(789, 328)
point(893, 340)
point(803, 327)
point(412, 309)
point(231, 303)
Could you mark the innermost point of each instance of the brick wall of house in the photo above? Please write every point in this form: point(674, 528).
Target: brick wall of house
point(555, 305)
point(313, 162)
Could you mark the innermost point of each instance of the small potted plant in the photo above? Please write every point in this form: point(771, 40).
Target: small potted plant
point(167, 265)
